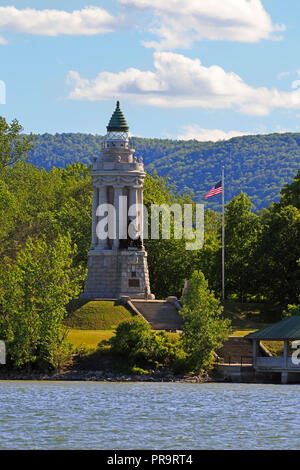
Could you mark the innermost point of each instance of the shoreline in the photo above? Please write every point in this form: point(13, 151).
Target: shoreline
point(113, 377)
point(104, 376)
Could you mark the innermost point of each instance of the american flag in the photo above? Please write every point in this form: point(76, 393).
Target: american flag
point(216, 189)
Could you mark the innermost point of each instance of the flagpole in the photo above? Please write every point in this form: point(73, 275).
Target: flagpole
point(223, 237)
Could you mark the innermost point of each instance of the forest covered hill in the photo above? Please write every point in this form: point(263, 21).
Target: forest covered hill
point(259, 165)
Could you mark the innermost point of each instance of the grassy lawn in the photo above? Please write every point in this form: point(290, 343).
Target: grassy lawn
point(90, 338)
point(246, 318)
point(96, 315)
point(275, 347)
point(94, 321)
point(243, 332)
point(249, 317)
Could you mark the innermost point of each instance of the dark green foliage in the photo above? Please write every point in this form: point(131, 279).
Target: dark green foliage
point(258, 165)
point(291, 311)
point(242, 231)
point(34, 292)
point(275, 260)
point(135, 341)
point(262, 251)
point(14, 147)
point(38, 202)
point(290, 193)
point(204, 328)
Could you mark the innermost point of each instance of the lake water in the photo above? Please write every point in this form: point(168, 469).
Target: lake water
point(159, 416)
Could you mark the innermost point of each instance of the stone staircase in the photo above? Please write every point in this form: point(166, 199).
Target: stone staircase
point(238, 350)
point(235, 350)
point(161, 314)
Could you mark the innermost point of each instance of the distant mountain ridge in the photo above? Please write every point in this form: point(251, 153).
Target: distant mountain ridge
point(259, 165)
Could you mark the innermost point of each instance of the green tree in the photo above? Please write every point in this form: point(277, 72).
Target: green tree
point(34, 291)
point(242, 228)
point(204, 328)
point(51, 203)
point(290, 193)
point(208, 258)
point(13, 146)
point(8, 206)
point(277, 254)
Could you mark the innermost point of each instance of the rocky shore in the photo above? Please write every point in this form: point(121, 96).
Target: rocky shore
point(104, 376)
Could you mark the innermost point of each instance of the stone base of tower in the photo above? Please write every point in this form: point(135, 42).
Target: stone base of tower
point(116, 273)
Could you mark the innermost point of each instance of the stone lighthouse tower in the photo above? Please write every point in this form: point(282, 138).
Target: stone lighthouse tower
point(117, 260)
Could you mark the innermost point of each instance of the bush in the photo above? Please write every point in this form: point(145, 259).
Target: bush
point(61, 356)
point(128, 336)
point(135, 341)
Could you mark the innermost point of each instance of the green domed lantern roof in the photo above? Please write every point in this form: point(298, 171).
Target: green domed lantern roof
point(117, 122)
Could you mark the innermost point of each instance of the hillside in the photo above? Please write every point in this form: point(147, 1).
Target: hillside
point(258, 165)
point(96, 315)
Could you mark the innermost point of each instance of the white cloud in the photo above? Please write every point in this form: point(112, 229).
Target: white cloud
point(181, 22)
point(88, 21)
point(179, 81)
point(282, 75)
point(177, 22)
point(282, 130)
point(194, 131)
point(3, 41)
point(295, 84)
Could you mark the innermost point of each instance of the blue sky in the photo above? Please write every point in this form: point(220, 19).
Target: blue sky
point(204, 69)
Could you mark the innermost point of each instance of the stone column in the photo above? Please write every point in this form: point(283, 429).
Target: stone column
point(102, 199)
point(133, 211)
point(94, 218)
point(132, 200)
point(123, 216)
point(141, 214)
point(118, 191)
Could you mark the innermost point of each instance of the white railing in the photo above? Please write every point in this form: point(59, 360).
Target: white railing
point(276, 363)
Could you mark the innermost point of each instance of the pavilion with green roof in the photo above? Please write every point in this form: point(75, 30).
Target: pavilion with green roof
point(288, 331)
